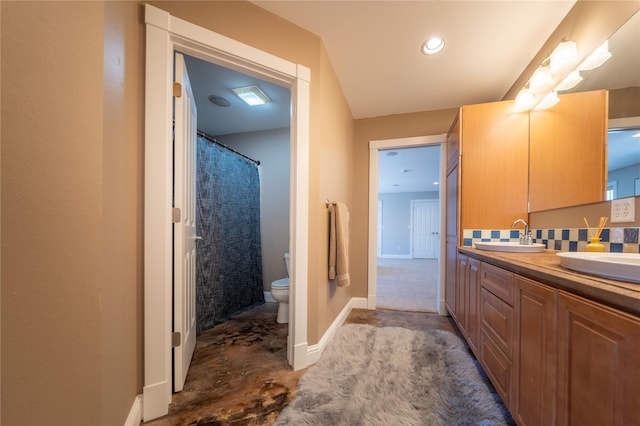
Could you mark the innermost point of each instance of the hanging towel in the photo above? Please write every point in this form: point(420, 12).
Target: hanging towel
point(339, 243)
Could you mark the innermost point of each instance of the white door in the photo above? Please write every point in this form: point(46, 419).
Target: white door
point(184, 228)
point(425, 226)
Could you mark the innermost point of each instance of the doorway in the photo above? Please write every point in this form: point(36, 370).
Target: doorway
point(166, 34)
point(405, 226)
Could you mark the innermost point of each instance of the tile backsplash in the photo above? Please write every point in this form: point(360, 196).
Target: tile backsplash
point(618, 240)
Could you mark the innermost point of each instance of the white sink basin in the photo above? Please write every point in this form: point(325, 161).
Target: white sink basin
point(618, 266)
point(509, 247)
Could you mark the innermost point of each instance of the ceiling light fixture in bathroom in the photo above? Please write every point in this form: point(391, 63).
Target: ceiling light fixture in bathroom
point(219, 101)
point(433, 46)
point(251, 95)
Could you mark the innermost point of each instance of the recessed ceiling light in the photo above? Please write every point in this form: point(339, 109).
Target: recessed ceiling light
point(404, 171)
point(219, 100)
point(432, 46)
point(636, 135)
point(252, 95)
point(396, 184)
point(436, 183)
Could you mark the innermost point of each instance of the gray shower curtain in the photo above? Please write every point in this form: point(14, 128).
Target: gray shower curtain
point(229, 261)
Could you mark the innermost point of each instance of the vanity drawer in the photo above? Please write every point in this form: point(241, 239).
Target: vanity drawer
point(496, 321)
point(497, 366)
point(497, 281)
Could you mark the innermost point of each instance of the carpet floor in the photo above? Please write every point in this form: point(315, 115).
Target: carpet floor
point(407, 285)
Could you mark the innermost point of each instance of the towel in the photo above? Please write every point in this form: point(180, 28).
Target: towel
point(339, 244)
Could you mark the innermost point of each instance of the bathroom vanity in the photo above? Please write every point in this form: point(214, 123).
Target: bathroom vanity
point(559, 347)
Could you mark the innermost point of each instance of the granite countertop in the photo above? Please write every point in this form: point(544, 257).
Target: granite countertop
point(545, 267)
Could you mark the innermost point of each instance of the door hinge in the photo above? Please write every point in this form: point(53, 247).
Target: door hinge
point(176, 339)
point(177, 89)
point(175, 215)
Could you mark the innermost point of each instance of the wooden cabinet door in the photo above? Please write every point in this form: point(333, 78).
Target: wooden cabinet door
point(494, 162)
point(450, 276)
point(598, 364)
point(473, 298)
point(568, 152)
point(535, 359)
point(461, 293)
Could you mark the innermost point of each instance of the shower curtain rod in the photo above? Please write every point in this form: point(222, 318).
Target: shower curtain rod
point(213, 140)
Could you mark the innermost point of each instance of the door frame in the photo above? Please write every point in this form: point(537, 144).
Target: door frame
point(166, 34)
point(374, 147)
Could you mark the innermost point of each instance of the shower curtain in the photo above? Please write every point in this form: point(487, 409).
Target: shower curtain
point(229, 261)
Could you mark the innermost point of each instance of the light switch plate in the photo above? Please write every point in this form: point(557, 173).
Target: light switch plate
point(623, 210)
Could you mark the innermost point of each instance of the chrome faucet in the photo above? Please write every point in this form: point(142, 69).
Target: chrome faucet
point(525, 238)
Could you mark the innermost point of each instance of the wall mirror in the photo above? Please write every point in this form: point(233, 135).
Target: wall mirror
point(621, 76)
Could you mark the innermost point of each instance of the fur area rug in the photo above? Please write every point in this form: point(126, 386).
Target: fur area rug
point(373, 376)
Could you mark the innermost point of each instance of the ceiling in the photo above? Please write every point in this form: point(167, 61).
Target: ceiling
point(409, 169)
point(375, 50)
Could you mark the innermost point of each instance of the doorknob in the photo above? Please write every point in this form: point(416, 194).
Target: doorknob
point(197, 237)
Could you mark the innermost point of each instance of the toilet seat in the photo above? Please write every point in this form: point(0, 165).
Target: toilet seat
point(282, 283)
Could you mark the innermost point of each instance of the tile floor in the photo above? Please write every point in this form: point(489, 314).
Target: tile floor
point(239, 373)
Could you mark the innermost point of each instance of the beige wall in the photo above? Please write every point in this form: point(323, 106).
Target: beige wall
point(121, 296)
point(51, 230)
point(380, 128)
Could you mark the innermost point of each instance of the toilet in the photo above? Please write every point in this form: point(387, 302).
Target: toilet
point(280, 292)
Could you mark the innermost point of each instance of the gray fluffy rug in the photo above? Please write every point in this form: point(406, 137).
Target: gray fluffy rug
point(394, 376)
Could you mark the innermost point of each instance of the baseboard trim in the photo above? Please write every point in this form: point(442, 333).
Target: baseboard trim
point(135, 414)
point(314, 351)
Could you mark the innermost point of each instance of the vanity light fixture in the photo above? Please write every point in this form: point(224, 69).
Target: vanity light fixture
point(541, 80)
point(433, 46)
point(597, 58)
point(548, 101)
point(564, 58)
point(560, 71)
point(251, 95)
point(524, 101)
point(570, 81)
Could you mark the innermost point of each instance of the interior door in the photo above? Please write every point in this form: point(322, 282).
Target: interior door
point(184, 228)
point(425, 229)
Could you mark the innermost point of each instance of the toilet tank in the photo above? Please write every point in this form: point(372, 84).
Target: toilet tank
point(286, 262)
